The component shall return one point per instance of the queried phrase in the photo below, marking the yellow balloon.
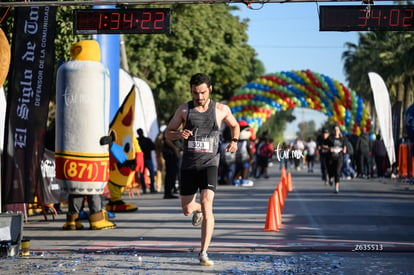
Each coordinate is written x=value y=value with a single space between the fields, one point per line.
x=342 y=111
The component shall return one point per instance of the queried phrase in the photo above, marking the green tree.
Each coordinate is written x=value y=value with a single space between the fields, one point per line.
x=204 y=38
x=64 y=33
x=275 y=126
x=360 y=59
x=389 y=54
x=306 y=129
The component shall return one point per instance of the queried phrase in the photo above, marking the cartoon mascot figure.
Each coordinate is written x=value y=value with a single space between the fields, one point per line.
x=126 y=156
x=82 y=119
x=244 y=156
x=5 y=56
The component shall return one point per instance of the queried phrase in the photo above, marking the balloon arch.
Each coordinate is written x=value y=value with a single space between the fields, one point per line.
x=269 y=94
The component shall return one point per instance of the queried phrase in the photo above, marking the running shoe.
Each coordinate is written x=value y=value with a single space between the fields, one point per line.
x=197 y=218
x=204 y=259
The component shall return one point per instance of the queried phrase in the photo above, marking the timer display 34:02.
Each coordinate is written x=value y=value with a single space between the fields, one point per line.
x=364 y=18
x=111 y=21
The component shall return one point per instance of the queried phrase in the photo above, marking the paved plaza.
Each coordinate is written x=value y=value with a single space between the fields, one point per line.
x=368 y=228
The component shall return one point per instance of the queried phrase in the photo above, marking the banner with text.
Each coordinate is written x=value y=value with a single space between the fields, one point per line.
x=30 y=83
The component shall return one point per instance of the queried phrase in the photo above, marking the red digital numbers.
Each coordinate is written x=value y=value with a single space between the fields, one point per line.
x=158 y=23
x=146 y=20
x=115 y=17
x=362 y=18
x=127 y=20
x=407 y=20
x=394 y=18
x=367 y=18
x=122 y=21
x=375 y=17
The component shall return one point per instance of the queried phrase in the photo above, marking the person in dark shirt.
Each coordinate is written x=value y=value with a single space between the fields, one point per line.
x=337 y=148
x=364 y=151
x=380 y=155
x=147 y=146
x=197 y=122
x=323 y=149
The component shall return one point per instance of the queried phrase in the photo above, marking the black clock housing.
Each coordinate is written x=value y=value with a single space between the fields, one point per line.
x=128 y=21
x=366 y=18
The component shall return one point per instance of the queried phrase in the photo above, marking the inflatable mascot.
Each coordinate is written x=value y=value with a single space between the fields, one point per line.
x=82 y=119
x=5 y=56
x=126 y=156
x=235 y=167
x=244 y=156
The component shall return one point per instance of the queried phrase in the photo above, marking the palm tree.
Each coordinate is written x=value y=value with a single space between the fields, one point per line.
x=398 y=57
x=390 y=54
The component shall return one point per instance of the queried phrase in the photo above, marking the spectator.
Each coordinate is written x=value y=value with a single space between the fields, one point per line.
x=283 y=156
x=265 y=153
x=348 y=171
x=364 y=151
x=299 y=147
x=380 y=156
x=160 y=171
x=147 y=146
x=310 y=153
x=323 y=148
x=171 y=152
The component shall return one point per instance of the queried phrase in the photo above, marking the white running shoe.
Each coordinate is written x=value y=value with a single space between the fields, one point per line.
x=197 y=218
x=204 y=259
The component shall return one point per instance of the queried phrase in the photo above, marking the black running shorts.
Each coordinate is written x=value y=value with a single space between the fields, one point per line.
x=194 y=180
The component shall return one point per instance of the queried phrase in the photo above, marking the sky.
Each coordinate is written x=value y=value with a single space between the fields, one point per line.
x=287 y=37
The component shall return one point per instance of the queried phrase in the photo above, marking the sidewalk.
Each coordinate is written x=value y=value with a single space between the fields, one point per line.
x=319 y=234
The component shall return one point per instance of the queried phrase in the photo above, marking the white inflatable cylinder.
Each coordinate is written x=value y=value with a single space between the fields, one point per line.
x=82 y=118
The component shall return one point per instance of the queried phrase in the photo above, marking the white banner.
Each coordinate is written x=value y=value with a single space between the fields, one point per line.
x=383 y=109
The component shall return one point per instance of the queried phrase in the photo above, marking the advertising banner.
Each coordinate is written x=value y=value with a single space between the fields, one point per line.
x=30 y=84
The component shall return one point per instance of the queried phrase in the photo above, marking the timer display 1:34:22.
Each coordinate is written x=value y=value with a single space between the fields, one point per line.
x=129 y=21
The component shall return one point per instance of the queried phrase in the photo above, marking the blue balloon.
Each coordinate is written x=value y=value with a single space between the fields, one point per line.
x=331 y=86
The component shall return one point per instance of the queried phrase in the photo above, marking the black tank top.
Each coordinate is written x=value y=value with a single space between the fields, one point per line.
x=201 y=150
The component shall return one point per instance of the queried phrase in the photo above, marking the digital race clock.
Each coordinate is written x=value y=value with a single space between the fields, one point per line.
x=111 y=21
x=364 y=18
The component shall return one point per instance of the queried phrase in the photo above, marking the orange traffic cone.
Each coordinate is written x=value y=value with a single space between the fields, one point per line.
x=289 y=182
x=285 y=189
x=280 y=196
x=271 y=224
x=278 y=210
x=273 y=215
x=283 y=175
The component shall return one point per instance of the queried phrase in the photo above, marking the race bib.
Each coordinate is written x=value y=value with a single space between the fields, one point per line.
x=201 y=144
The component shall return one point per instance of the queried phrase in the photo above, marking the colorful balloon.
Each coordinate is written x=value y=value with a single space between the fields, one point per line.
x=259 y=100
